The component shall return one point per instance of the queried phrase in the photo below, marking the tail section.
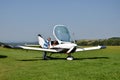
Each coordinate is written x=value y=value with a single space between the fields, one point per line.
x=41 y=40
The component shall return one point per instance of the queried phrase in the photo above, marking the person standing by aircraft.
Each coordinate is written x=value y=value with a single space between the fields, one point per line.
x=46 y=45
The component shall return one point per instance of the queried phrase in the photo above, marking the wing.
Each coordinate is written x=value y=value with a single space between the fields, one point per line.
x=38 y=49
x=32 y=45
x=90 y=48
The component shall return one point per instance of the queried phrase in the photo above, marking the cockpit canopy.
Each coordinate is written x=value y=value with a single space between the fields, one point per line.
x=61 y=33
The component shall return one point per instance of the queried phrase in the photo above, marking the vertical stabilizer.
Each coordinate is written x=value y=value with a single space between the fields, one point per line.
x=41 y=40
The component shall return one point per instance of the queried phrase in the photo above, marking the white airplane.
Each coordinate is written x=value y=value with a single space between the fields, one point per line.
x=64 y=45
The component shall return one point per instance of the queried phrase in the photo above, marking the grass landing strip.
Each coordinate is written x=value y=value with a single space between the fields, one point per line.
x=102 y=64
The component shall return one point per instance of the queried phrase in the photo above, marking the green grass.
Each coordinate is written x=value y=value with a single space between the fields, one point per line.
x=90 y=65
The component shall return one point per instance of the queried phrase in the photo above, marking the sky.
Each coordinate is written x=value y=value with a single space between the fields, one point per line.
x=22 y=20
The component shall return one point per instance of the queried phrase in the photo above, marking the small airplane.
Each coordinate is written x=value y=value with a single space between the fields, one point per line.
x=64 y=45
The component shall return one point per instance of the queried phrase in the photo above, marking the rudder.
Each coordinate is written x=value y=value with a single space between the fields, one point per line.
x=41 y=40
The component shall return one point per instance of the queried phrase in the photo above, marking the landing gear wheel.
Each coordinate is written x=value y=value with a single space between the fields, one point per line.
x=70 y=58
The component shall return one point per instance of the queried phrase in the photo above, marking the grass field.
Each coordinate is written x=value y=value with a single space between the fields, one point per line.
x=90 y=65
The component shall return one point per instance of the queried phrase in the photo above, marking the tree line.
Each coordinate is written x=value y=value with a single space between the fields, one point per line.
x=114 y=41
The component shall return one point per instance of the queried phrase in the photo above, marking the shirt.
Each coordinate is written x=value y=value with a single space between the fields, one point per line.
x=46 y=44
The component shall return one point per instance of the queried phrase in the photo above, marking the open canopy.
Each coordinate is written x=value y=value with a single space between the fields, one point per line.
x=61 y=33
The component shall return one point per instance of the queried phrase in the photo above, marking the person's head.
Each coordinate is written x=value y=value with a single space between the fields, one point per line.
x=55 y=42
x=49 y=39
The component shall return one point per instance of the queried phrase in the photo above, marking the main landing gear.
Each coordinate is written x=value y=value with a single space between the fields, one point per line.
x=45 y=57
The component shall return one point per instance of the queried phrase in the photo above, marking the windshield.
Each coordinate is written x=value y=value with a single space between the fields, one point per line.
x=62 y=33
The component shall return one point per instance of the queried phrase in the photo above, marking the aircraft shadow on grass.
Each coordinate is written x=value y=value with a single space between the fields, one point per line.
x=90 y=58
x=28 y=60
x=53 y=58
x=3 y=56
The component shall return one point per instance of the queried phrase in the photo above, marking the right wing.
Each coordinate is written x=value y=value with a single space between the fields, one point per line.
x=32 y=45
x=38 y=49
x=33 y=48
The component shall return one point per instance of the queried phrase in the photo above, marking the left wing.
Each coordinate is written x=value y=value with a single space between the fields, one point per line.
x=90 y=48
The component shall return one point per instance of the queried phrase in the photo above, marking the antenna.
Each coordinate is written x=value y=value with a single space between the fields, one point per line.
x=73 y=34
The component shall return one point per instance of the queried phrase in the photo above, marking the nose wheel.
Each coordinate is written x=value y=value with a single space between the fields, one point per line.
x=69 y=57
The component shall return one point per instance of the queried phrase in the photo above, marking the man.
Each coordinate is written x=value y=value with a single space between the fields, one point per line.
x=46 y=45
